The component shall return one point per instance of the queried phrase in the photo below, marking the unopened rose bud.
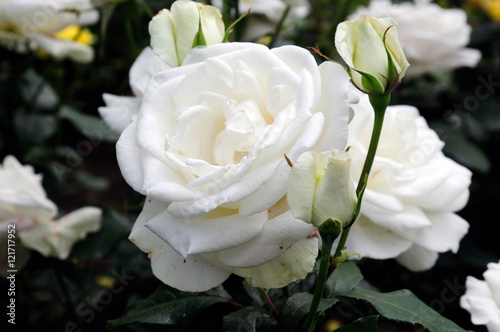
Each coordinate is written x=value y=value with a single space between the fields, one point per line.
x=370 y=47
x=320 y=187
x=186 y=25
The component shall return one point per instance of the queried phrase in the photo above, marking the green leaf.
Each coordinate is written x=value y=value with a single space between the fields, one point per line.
x=34 y=128
x=199 y=39
x=162 y=294
x=248 y=319
x=166 y=308
x=343 y=279
x=93 y=127
x=297 y=306
x=218 y=291
x=364 y=324
x=114 y=228
x=404 y=306
x=370 y=83
x=37 y=92
x=254 y=294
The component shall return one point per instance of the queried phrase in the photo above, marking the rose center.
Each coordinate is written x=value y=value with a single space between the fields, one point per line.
x=219 y=135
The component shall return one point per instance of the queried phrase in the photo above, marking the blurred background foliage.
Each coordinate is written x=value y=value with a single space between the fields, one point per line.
x=49 y=119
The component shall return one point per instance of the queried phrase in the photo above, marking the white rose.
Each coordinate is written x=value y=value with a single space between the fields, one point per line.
x=207 y=149
x=413 y=190
x=26 y=210
x=32 y=24
x=482 y=298
x=432 y=38
x=266 y=14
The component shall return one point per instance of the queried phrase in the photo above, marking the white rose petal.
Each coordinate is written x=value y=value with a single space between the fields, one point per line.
x=194 y=272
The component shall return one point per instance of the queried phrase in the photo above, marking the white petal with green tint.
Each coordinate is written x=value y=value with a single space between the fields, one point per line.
x=294 y=264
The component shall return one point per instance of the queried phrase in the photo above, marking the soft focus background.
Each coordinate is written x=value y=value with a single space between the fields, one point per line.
x=49 y=119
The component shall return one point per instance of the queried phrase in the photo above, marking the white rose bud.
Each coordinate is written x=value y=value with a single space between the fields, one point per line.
x=320 y=186
x=370 y=47
x=187 y=24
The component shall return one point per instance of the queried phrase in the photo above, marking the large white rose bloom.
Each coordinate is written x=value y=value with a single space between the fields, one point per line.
x=266 y=14
x=25 y=208
x=413 y=190
x=33 y=25
x=207 y=149
x=432 y=38
x=482 y=298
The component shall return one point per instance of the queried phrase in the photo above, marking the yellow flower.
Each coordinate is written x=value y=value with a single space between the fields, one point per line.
x=73 y=33
x=76 y=33
x=492 y=7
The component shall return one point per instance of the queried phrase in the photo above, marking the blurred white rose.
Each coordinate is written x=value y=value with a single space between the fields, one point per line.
x=266 y=14
x=25 y=208
x=57 y=237
x=413 y=190
x=482 y=298
x=40 y=24
x=207 y=149
x=432 y=38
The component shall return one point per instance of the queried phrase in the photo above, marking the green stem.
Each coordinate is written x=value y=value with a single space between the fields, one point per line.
x=130 y=35
x=379 y=104
x=326 y=250
x=268 y=300
x=329 y=231
x=342 y=241
x=226 y=13
x=279 y=27
x=286 y=291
